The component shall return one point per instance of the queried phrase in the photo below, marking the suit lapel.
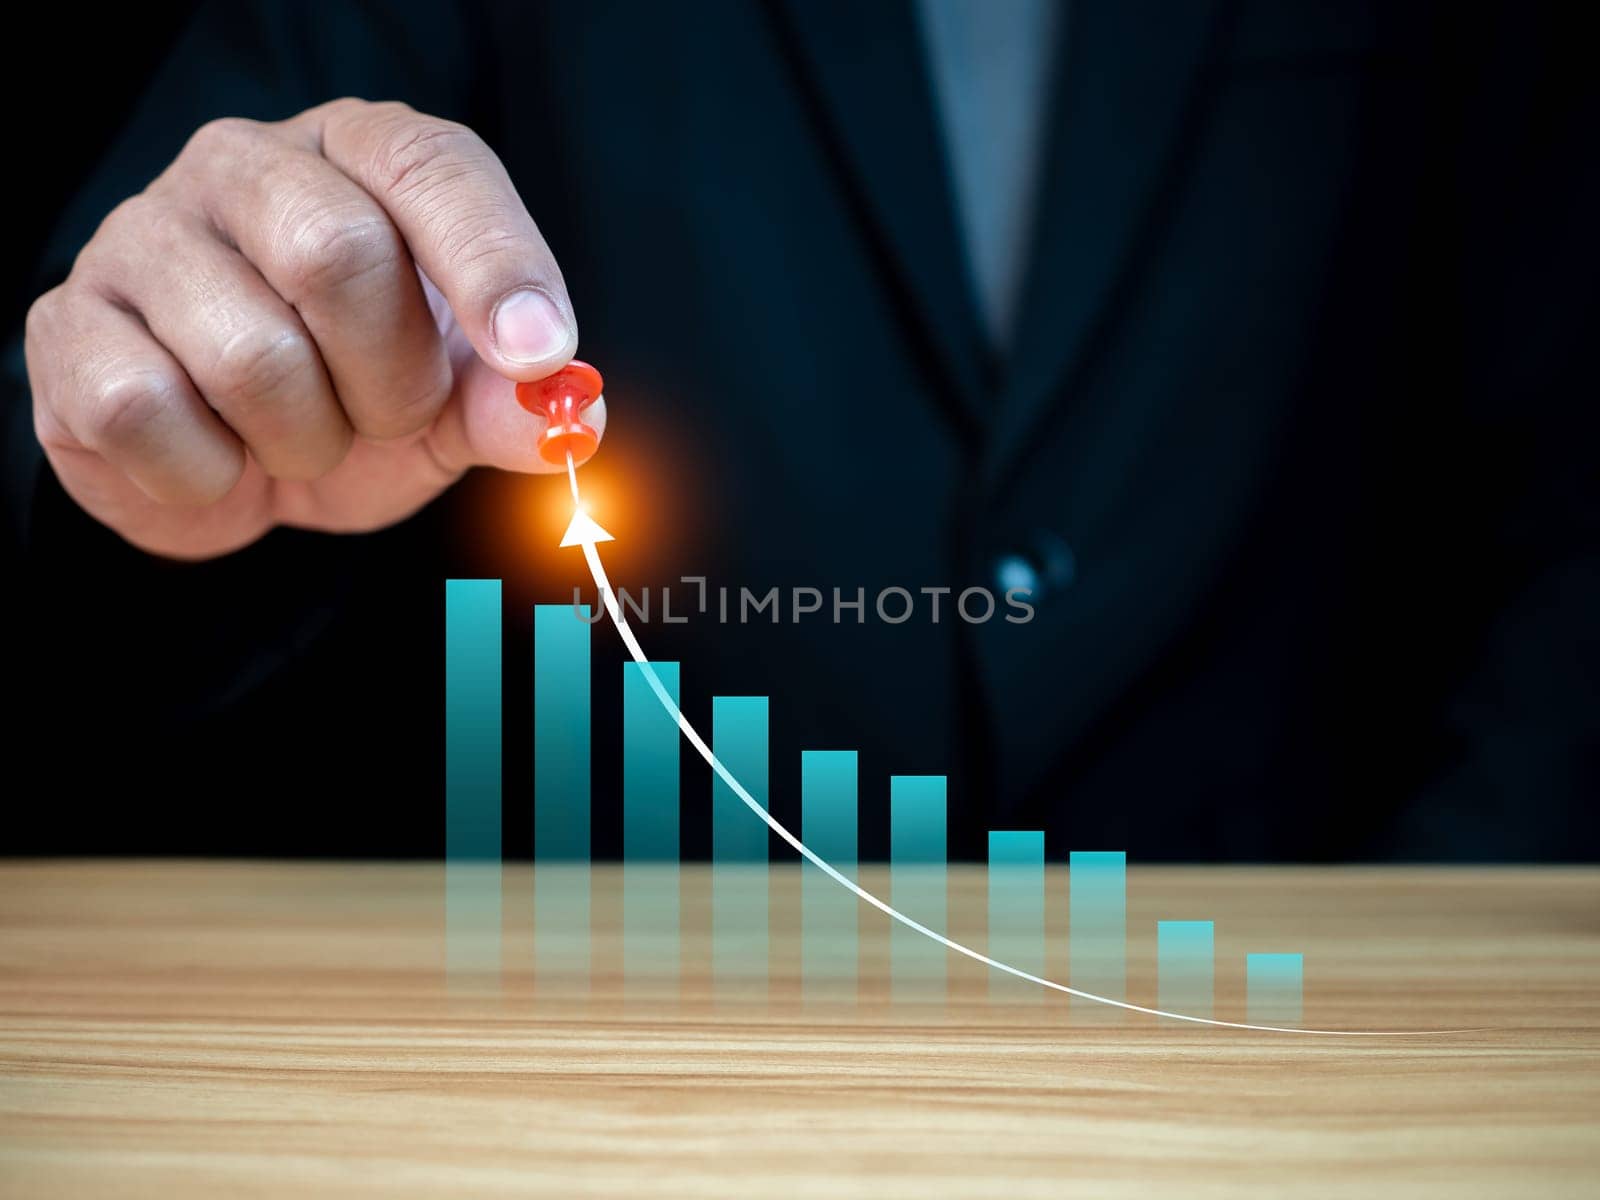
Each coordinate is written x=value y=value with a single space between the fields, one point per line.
x=1131 y=71
x=860 y=67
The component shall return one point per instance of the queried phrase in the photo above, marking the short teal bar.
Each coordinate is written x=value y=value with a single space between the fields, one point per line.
x=739 y=846
x=561 y=637
x=472 y=774
x=650 y=823
x=1016 y=911
x=917 y=883
x=1097 y=929
x=828 y=914
x=1185 y=967
x=1274 y=988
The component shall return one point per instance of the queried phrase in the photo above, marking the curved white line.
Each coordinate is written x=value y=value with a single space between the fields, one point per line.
x=592 y=557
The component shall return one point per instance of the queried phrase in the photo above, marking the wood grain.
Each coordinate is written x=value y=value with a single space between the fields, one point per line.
x=212 y=1029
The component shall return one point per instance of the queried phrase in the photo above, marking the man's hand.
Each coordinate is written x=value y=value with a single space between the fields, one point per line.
x=250 y=343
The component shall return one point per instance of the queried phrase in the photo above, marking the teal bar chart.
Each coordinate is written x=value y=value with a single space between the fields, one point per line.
x=918 y=884
x=739 y=877
x=1274 y=986
x=650 y=827
x=561 y=756
x=828 y=913
x=1016 y=911
x=472 y=775
x=1097 y=933
x=1185 y=967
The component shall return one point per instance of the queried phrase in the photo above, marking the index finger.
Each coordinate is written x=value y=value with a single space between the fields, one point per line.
x=455 y=206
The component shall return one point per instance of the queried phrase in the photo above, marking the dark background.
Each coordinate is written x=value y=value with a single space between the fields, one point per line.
x=326 y=740
x=94 y=76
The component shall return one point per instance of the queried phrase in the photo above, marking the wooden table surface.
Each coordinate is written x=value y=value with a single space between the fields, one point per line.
x=219 y=1029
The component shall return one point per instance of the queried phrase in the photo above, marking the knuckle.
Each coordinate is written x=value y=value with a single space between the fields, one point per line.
x=257 y=363
x=341 y=108
x=482 y=238
x=390 y=110
x=39 y=324
x=220 y=136
x=128 y=219
x=332 y=252
x=136 y=227
x=421 y=153
x=124 y=408
x=353 y=108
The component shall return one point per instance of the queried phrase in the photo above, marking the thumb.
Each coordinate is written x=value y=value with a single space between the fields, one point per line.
x=466 y=227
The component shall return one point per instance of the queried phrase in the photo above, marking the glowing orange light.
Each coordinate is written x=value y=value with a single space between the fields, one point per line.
x=641 y=485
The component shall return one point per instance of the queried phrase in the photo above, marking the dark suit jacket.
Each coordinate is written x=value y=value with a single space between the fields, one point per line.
x=1298 y=431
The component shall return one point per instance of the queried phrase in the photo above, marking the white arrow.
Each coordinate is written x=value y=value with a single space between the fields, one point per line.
x=586 y=532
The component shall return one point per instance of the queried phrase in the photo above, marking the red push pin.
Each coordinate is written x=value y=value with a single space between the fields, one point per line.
x=561 y=400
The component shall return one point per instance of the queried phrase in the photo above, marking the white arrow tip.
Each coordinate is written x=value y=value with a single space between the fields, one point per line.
x=584 y=531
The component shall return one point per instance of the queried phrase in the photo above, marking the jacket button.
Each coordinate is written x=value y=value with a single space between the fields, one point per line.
x=1046 y=565
x=1016 y=572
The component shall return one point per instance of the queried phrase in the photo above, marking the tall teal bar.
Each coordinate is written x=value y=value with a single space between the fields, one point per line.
x=1274 y=988
x=649 y=766
x=917 y=871
x=472 y=774
x=650 y=907
x=1016 y=911
x=1097 y=930
x=828 y=915
x=1185 y=967
x=561 y=636
x=739 y=847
